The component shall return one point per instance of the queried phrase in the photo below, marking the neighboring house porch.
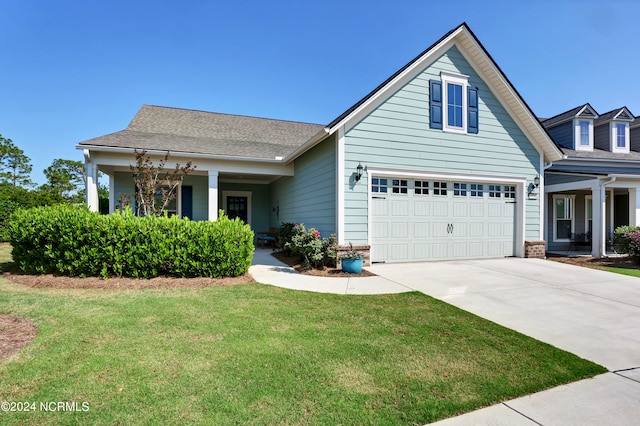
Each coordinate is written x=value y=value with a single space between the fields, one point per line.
x=583 y=210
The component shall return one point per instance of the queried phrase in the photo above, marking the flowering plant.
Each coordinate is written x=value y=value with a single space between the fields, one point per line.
x=351 y=254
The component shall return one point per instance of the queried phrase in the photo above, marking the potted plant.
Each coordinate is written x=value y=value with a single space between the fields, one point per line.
x=351 y=261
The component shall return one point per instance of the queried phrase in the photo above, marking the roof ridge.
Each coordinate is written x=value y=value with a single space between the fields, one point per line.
x=231 y=115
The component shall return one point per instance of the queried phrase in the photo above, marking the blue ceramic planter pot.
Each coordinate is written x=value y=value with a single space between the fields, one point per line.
x=352 y=266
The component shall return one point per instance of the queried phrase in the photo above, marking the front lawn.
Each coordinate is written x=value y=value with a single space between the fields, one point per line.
x=255 y=354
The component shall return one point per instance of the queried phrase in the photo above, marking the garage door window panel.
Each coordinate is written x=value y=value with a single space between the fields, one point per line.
x=421 y=187
x=379 y=185
x=440 y=188
x=477 y=190
x=459 y=189
x=399 y=186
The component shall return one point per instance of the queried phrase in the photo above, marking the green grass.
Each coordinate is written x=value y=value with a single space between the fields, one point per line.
x=255 y=354
x=623 y=271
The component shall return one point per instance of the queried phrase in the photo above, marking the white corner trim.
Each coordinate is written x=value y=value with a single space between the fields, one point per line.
x=341 y=185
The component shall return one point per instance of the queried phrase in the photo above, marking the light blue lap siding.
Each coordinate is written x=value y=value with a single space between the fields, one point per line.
x=260 y=202
x=124 y=185
x=310 y=195
x=397 y=135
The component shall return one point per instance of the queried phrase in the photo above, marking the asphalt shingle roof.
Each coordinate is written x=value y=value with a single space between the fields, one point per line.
x=557 y=119
x=208 y=133
x=601 y=154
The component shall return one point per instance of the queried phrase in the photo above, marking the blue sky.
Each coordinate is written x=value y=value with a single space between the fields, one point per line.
x=74 y=70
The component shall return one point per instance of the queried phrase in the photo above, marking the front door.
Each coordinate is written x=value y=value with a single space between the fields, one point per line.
x=237 y=207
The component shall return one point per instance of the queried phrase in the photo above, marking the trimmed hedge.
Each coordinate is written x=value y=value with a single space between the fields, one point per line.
x=70 y=240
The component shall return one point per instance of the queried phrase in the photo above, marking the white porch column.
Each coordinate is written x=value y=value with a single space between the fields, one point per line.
x=91 y=168
x=634 y=206
x=598 y=239
x=112 y=193
x=213 y=195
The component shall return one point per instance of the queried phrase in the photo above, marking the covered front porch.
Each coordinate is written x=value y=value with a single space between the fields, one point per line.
x=584 y=209
x=239 y=189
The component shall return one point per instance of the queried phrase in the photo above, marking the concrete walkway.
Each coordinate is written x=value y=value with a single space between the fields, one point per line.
x=593 y=314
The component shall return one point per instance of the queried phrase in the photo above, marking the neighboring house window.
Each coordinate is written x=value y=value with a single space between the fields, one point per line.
x=459 y=189
x=495 y=191
x=620 y=135
x=378 y=185
x=453 y=104
x=439 y=188
x=399 y=186
x=588 y=214
x=477 y=190
x=563 y=225
x=584 y=133
x=421 y=187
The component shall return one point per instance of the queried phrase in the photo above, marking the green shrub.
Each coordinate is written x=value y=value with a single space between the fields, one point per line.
x=621 y=237
x=634 y=244
x=285 y=233
x=72 y=241
x=307 y=244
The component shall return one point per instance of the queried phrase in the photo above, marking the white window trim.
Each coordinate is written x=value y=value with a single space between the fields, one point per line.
x=572 y=197
x=614 y=137
x=576 y=125
x=247 y=194
x=459 y=79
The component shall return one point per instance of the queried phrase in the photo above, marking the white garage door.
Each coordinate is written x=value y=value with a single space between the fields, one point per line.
x=416 y=220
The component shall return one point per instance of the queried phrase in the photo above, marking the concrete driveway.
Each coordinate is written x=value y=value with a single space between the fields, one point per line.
x=591 y=313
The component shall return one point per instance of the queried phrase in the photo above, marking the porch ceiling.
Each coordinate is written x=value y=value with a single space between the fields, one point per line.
x=228 y=177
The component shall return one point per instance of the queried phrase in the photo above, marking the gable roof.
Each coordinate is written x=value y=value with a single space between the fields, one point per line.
x=585 y=110
x=474 y=52
x=189 y=131
x=622 y=114
x=251 y=138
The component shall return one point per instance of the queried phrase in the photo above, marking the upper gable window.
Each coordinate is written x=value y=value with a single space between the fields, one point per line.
x=583 y=135
x=619 y=137
x=453 y=104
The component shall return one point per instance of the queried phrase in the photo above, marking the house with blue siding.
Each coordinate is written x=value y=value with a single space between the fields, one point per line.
x=443 y=160
x=595 y=188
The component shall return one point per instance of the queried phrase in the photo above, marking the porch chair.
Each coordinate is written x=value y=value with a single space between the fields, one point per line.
x=266 y=237
x=579 y=240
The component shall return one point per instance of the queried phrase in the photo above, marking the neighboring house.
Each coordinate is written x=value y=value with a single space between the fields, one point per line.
x=596 y=188
x=441 y=161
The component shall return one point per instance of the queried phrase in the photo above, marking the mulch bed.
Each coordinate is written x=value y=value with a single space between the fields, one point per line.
x=327 y=271
x=613 y=262
x=15 y=334
x=54 y=281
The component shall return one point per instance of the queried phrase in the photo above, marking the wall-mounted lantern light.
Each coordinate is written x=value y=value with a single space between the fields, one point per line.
x=533 y=186
x=359 y=170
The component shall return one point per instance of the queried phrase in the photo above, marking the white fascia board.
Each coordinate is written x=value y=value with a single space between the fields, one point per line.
x=123 y=159
x=509 y=98
x=623 y=110
x=592 y=113
x=595 y=162
x=391 y=87
x=97 y=148
x=316 y=139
